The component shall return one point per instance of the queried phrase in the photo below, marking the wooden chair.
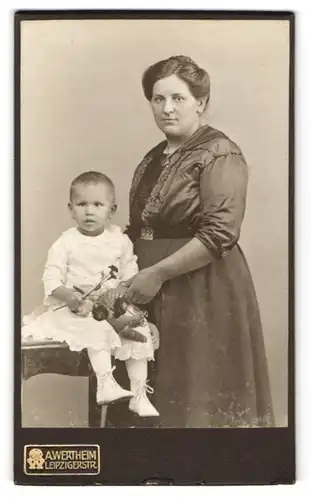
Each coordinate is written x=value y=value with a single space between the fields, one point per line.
x=54 y=357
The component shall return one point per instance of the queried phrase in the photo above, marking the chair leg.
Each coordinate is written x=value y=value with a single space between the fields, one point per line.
x=103 y=415
x=97 y=414
x=94 y=409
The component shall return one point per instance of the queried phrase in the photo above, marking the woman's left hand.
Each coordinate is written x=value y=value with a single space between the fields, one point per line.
x=144 y=286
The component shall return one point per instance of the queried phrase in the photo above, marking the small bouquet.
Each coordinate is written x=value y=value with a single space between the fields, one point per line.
x=105 y=307
x=111 y=275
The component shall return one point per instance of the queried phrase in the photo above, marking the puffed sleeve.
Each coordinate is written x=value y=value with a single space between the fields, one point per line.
x=55 y=269
x=223 y=187
x=128 y=260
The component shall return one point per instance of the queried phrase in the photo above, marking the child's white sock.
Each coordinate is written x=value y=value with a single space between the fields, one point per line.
x=108 y=390
x=137 y=370
x=100 y=360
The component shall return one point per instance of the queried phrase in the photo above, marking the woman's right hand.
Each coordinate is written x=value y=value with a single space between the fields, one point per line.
x=123 y=286
x=113 y=294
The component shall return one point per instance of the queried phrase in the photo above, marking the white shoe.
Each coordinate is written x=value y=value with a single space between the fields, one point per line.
x=140 y=403
x=108 y=389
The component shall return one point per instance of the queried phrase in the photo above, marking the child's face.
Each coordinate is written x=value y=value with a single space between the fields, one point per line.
x=92 y=206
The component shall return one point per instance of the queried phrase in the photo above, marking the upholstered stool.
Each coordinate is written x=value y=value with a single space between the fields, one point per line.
x=53 y=357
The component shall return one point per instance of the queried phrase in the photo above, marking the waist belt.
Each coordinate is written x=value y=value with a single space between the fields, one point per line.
x=149 y=233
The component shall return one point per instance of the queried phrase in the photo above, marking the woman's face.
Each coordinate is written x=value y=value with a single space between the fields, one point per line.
x=176 y=111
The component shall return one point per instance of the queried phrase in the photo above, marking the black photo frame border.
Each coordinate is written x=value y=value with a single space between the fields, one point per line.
x=162 y=456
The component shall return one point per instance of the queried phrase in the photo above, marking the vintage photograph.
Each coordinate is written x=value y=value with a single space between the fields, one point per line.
x=154 y=179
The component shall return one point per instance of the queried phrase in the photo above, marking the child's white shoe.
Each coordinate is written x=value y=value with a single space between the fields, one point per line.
x=140 y=403
x=108 y=389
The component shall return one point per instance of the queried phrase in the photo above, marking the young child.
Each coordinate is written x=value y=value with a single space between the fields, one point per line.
x=78 y=260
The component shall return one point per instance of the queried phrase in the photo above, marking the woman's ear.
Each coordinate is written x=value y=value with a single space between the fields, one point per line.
x=201 y=103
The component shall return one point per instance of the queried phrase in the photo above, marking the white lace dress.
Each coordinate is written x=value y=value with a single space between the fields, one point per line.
x=79 y=260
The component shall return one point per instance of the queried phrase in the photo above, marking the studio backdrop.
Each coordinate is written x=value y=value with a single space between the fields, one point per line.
x=83 y=108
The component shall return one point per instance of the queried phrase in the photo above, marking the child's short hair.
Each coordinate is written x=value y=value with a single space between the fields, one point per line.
x=92 y=177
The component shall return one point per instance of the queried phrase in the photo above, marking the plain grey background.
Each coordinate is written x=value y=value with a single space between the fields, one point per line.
x=83 y=108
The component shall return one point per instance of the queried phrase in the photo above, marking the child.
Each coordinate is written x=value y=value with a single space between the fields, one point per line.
x=77 y=261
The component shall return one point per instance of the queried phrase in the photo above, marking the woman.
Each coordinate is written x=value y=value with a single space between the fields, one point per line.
x=187 y=204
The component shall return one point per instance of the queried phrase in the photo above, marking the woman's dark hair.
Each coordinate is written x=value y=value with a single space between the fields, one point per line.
x=185 y=68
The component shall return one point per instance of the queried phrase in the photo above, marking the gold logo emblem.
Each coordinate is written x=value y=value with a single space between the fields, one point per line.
x=44 y=460
x=35 y=459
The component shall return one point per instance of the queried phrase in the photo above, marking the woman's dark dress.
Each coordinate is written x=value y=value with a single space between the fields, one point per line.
x=211 y=368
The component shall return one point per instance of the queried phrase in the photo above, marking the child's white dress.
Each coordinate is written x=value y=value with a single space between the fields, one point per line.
x=79 y=260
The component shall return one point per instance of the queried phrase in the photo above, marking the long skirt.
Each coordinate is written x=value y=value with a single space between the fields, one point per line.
x=211 y=368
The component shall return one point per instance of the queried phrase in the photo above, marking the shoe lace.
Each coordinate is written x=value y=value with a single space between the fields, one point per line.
x=144 y=388
x=108 y=375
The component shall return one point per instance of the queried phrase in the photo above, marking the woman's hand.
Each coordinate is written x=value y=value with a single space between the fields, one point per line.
x=144 y=286
x=122 y=287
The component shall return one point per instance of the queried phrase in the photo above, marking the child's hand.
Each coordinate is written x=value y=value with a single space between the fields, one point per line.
x=85 y=308
x=73 y=299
